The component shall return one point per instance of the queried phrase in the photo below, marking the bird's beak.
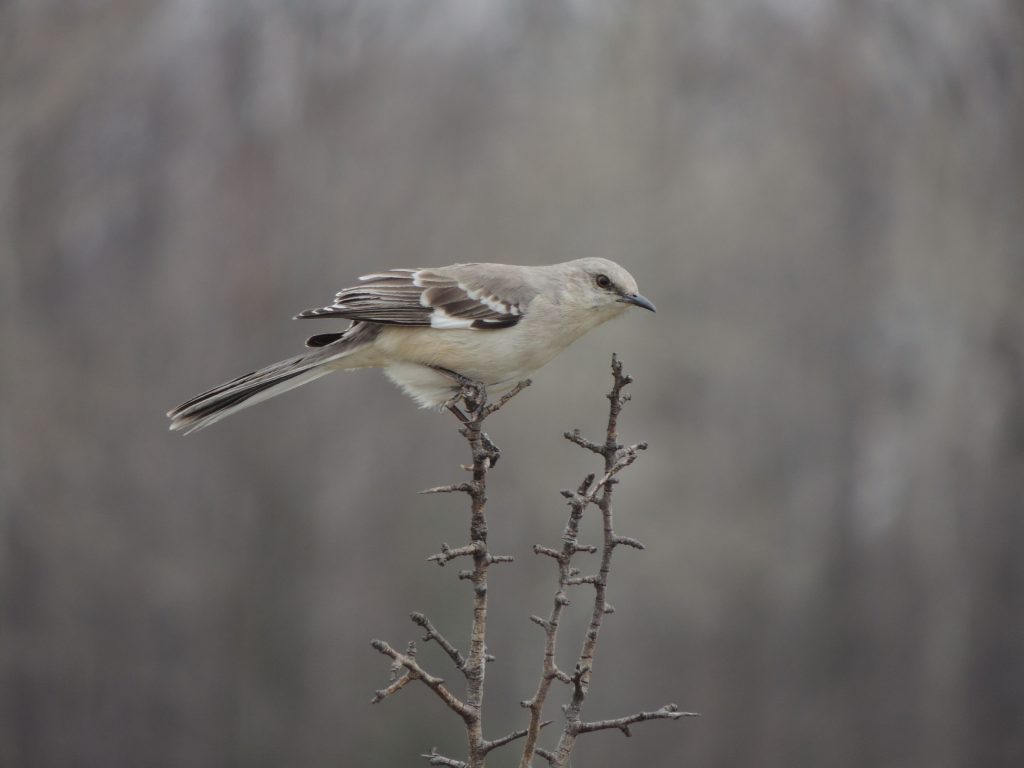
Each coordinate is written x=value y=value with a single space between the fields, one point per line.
x=640 y=301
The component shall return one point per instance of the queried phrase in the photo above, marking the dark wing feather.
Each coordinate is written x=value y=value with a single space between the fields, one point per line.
x=424 y=297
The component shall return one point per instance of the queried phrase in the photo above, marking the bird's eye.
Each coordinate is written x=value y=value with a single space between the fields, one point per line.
x=603 y=281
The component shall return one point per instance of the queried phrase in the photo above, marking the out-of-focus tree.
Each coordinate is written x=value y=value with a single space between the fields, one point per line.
x=824 y=198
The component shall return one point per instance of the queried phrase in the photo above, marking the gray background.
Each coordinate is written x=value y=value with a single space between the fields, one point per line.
x=825 y=198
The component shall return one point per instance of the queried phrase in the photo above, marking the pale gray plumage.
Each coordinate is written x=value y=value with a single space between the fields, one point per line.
x=493 y=323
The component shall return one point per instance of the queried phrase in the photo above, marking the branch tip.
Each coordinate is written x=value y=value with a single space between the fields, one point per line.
x=628 y=541
x=668 y=712
x=435 y=758
x=503 y=400
x=547 y=551
x=453 y=488
x=577 y=437
x=432 y=634
x=450 y=553
x=576 y=581
x=542 y=623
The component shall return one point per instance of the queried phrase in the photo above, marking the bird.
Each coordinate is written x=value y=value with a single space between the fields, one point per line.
x=432 y=329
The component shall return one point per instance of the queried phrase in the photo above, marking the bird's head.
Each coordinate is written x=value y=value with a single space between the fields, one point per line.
x=606 y=287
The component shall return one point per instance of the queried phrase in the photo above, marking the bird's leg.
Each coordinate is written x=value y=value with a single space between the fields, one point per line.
x=472 y=393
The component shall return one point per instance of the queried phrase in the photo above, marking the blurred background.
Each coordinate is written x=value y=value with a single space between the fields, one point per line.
x=825 y=198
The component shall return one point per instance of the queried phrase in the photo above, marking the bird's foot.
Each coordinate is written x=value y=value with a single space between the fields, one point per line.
x=472 y=393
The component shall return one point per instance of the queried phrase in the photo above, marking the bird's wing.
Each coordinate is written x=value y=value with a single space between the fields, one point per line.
x=473 y=296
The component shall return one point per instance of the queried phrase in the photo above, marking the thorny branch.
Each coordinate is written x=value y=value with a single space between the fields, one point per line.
x=485 y=454
x=669 y=712
x=594 y=490
x=616 y=458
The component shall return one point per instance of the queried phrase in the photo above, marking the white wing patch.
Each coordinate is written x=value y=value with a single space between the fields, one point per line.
x=441 y=319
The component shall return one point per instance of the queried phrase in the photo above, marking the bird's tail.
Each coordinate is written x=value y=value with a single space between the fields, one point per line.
x=212 y=406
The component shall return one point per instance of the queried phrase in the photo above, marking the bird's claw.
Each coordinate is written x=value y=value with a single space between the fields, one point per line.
x=472 y=393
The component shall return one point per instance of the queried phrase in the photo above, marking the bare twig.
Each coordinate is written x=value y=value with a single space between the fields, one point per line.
x=416 y=672
x=489 y=409
x=453 y=488
x=471 y=409
x=485 y=453
x=396 y=686
x=435 y=758
x=616 y=458
x=449 y=553
x=549 y=756
x=668 y=712
x=488 y=746
x=437 y=637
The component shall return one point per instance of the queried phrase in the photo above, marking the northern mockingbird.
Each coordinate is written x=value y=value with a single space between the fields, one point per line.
x=491 y=323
